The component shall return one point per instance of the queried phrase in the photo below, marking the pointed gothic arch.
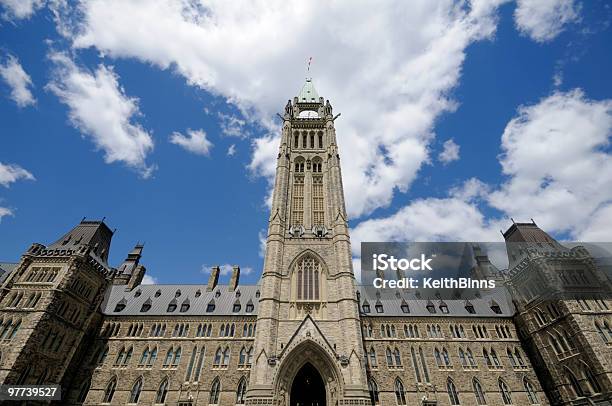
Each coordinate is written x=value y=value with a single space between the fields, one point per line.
x=309 y=275
x=308 y=351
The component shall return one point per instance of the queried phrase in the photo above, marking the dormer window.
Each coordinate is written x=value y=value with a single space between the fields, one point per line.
x=496 y=309
x=405 y=307
x=198 y=293
x=444 y=308
x=158 y=293
x=250 y=307
x=120 y=306
x=171 y=306
x=431 y=308
x=379 y=307
x=236 y=307
x=217 y=293
x=177 y=293
x=470 y=308
x=146 y=306
x=184 y=306
x=366 y=308
x=210 y=307
x=137 y=293
x=257 y=294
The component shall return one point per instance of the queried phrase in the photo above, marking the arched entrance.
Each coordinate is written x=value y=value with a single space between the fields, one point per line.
x=308 y=388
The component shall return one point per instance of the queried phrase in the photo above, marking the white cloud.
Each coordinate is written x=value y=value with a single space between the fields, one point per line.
x=231 y=151
x=195 y=141
x=450 y=152
x=18 y=80
x=4 y=211
x=10 y=173
x=100 y=109
x=226 y=269
x=401 y=70
x=232 y=126
x=543 y=20
x=149 y=280
x=556 y=154
x=18 y=9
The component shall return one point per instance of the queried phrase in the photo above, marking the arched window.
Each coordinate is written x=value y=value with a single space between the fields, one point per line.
x=511 y=358
x=424 y=365
x=135 y=392
x=226 y=356
x=519 y=358
x=478 y=392
x=152 y=357
x=495 y=359
x=485 y=354
x=84 y=391
x=162 y=391
x=471 y=358
x=446 y=357
x=373 y=392
x=555 y=344
x=453 y=395
x=308 y=271
x=217 y=359
x=438 y=357
x=110 y=390
x=415 y=364
x=398 y=358
x=462 y=358
x=389 y=357
x=297 y=204
x=592 y=380
x=531 y=393
x=241 y=391
x=144 y=357
x=177 y=357
x=574 y=383
x=400 y=396
x=373 y=361
x=215 y=389
x=505 y=392
x=243 y=357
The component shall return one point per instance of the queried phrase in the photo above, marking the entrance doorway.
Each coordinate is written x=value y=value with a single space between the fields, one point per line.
x=308 y=388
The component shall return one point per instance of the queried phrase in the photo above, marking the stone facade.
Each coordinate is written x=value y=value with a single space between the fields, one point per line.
x=69 y=318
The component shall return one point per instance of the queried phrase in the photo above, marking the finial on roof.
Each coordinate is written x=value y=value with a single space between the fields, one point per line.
x=534 y=223
x=83 y=219
x=103 y=218
x=512 y=220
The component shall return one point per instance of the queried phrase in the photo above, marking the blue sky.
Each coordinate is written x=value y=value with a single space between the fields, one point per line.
x=161 y=117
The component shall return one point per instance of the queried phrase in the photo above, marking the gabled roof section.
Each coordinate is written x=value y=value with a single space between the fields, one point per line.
x=308 y=94
x=196 y=296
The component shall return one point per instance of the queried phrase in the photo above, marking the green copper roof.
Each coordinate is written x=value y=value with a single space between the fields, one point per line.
x=308 y=94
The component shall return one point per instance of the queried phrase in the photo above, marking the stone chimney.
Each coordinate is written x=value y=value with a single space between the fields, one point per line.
x=233 y=283
x=136 y=278
x=214 y=278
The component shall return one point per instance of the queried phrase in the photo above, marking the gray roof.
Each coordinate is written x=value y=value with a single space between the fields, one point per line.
x=160 y=296
x=6 y=268
x=308 y=94
x=392 y=302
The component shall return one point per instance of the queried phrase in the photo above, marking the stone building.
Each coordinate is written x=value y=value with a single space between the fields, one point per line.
x=306 y=334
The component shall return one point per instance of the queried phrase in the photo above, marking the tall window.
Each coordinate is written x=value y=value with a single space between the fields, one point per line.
x=135 y=392
x=400 y=397
x=505 y=392
x=478 y=392
x=531 y=393
x=415 y=364
x=162 y=391
x=453 y=395
x=317 y=197
x=110 y=390
x=592 y=380
x=373 y=392
x=241 y=392
x=214 y=392
x=308 y=278
x=84 y=391
x=298 y=200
